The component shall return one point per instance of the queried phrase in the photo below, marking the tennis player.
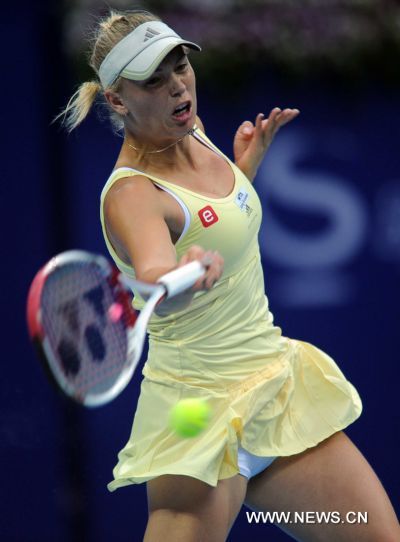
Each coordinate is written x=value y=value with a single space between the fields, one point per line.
x=275 y=441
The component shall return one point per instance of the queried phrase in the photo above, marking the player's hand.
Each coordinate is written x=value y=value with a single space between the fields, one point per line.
x=212 y=261
x=251 y=142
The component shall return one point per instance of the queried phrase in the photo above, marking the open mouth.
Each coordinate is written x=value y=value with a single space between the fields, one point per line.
x=182 y=110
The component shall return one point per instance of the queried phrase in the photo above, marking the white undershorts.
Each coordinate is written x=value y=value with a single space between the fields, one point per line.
x=250 y=465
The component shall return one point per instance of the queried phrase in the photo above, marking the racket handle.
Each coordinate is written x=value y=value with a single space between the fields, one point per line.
x=179 y=280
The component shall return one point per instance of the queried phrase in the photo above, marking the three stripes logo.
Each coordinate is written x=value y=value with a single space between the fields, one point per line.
x=150 y=33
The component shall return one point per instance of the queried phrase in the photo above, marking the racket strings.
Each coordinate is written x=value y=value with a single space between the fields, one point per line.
x=88 y=348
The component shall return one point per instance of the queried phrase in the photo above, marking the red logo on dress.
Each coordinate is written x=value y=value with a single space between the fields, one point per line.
x=208 y=216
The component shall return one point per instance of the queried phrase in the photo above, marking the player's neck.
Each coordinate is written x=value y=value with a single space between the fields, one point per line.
x=176 y=157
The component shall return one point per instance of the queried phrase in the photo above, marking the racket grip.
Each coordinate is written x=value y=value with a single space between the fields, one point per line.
x=179 y=280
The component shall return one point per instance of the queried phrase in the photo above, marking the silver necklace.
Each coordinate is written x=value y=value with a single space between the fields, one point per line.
x=190 y=132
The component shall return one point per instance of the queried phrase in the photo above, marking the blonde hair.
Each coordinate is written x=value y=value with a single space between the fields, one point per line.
x=110 y=30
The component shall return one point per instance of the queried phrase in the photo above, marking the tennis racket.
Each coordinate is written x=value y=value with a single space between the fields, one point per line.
x=82 y=323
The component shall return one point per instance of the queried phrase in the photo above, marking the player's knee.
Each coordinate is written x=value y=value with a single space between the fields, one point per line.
x=169 y=525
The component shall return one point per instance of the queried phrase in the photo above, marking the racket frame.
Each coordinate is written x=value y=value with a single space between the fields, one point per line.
x=168 y=285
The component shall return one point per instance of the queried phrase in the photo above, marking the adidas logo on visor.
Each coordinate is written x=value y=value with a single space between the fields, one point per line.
x=150 y=33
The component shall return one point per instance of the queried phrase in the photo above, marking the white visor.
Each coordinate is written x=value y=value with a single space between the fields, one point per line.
x=138 y=55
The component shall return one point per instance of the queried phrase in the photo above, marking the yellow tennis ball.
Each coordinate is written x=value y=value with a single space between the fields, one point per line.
x=189 y=417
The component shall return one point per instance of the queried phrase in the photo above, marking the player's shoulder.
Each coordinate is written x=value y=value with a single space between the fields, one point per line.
x=131 y=190
x=133 y=182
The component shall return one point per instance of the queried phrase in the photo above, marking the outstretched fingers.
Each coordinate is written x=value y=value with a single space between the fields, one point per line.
x=276 y=119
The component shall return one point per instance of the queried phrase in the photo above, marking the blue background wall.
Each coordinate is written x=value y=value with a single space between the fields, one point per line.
x=330 y=239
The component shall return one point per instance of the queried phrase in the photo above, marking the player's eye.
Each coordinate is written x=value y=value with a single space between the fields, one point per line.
x=153 y=81
x=182 y=67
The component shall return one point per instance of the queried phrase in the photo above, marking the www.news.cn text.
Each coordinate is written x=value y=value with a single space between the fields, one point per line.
x=308 y=517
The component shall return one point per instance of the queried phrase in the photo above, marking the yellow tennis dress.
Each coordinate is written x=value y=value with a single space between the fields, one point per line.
x=269 y=394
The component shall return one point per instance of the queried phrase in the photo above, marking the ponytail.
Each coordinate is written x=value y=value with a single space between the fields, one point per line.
x=79 y=105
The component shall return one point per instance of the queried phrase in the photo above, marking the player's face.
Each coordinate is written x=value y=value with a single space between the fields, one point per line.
x=152 y=103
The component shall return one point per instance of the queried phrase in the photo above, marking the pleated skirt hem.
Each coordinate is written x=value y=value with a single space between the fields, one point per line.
x=305 y=400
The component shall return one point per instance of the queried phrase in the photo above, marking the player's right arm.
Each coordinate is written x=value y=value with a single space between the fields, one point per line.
x=135 y=216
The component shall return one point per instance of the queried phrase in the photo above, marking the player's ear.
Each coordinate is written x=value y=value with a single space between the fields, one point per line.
x=116 y=102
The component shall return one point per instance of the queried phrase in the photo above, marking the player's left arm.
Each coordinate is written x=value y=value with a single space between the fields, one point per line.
x=251 y=142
